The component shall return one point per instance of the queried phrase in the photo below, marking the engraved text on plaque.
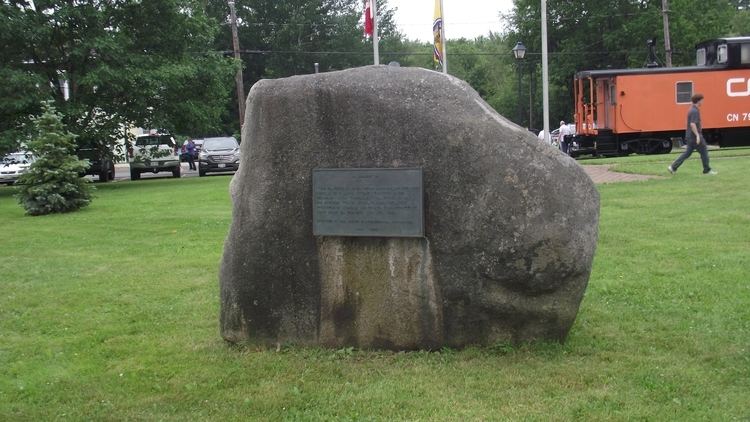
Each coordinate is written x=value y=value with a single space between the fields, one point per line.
x=368 y=202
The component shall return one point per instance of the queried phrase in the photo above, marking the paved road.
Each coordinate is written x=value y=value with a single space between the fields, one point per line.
x=122 y=172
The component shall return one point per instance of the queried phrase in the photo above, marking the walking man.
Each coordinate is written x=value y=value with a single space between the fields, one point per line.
x=694 y=138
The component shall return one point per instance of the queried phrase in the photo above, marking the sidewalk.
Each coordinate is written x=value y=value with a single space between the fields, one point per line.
x=602 y=174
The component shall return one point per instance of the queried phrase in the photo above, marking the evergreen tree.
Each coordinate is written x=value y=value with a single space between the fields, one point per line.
x=52 y=184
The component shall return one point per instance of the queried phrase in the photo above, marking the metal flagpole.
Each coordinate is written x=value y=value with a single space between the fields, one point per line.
x=442 y=37
x=375 y=37
x=545 y=73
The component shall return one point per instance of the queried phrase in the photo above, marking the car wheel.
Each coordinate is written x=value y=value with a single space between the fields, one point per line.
x=201 y=173
x=134 y=175
x=176 y=172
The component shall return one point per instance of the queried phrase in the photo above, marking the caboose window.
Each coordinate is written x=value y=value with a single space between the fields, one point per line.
x=745 y=54
x=684 y=92
x=700 y=57
x=721 y=54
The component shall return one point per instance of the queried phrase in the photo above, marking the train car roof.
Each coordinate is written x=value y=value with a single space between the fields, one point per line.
x=660 y=70
x=728 y=40
x=644 y=71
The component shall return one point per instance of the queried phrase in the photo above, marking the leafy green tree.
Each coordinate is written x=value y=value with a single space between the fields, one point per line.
x=285 y=38
x=52 y=184
x=111 y=65
x=486 y=64
x=739 y=24
x=591 y=34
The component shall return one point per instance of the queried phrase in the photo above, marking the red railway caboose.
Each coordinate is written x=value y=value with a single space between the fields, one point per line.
x=625 y=111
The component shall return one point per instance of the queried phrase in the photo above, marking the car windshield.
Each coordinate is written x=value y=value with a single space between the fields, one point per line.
x=17 y=158
x=219 y=143
x=154 y=140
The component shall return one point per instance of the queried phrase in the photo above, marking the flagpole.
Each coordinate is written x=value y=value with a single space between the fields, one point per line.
x=375 y=37
x=442 y=38
x=545 y=73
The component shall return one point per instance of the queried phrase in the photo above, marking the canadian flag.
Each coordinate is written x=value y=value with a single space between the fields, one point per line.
x=369 y=19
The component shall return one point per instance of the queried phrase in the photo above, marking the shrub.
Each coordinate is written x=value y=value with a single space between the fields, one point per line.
x=53 y=184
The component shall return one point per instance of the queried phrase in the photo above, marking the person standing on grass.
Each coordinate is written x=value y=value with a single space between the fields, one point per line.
x=564 y=137
x=693 y=138
x=190 y=147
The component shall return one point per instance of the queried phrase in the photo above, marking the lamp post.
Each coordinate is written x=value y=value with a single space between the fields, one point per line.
x=519 y=52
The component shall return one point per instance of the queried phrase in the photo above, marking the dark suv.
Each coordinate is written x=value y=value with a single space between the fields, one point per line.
x=99 y=163
x=219 y=154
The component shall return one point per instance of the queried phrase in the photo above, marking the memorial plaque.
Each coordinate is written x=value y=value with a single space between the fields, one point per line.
x=385 y=202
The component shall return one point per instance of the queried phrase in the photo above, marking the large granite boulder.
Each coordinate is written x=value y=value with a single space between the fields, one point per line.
x=510 y=223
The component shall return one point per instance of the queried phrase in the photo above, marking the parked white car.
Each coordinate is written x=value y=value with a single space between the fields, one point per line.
x=14 y=165
x=154 y=153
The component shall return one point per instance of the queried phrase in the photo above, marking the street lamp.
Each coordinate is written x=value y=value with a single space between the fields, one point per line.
x=519 y=52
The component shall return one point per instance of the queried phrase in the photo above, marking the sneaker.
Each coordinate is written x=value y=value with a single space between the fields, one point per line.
x=671 y=170
x=712 y=172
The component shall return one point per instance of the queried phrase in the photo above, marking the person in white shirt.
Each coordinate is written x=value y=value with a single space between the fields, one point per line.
x=564 y=137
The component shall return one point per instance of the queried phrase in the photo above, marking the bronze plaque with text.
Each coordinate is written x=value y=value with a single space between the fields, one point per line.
x=382 y=202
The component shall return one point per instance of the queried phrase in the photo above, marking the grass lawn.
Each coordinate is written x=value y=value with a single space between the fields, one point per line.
x=111 y=313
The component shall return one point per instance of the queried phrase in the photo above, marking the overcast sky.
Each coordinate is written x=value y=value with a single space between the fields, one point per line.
x=463 y=18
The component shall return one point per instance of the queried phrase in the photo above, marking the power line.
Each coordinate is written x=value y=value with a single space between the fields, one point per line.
x=553 y=19
x=420 y=53
x=502 y=18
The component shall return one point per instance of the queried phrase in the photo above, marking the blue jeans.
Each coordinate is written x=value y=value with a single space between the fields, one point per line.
x=691 y=146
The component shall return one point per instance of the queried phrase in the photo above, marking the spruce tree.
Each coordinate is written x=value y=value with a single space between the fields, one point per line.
x=53 y=183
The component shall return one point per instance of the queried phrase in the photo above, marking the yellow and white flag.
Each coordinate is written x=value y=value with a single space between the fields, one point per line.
x=437 y=32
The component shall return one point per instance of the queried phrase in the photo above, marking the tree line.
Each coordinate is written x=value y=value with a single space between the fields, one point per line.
x=109 y=65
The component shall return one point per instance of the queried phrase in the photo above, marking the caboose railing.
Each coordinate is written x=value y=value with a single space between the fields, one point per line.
x=585 y=114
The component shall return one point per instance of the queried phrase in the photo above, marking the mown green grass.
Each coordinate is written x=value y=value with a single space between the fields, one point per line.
x=111 y=313
x=624 y=163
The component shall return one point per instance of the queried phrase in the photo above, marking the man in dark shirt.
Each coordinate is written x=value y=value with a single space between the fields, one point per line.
x=190 y=149
x=694 y=138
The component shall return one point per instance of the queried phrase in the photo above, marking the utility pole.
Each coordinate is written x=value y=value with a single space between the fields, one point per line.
x=667 y=46
x=545 y=74
x=532 y=66
x=238 y=77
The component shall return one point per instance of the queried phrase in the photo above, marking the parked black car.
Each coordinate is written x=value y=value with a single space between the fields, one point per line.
x=101 y=164
x=219 y=154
